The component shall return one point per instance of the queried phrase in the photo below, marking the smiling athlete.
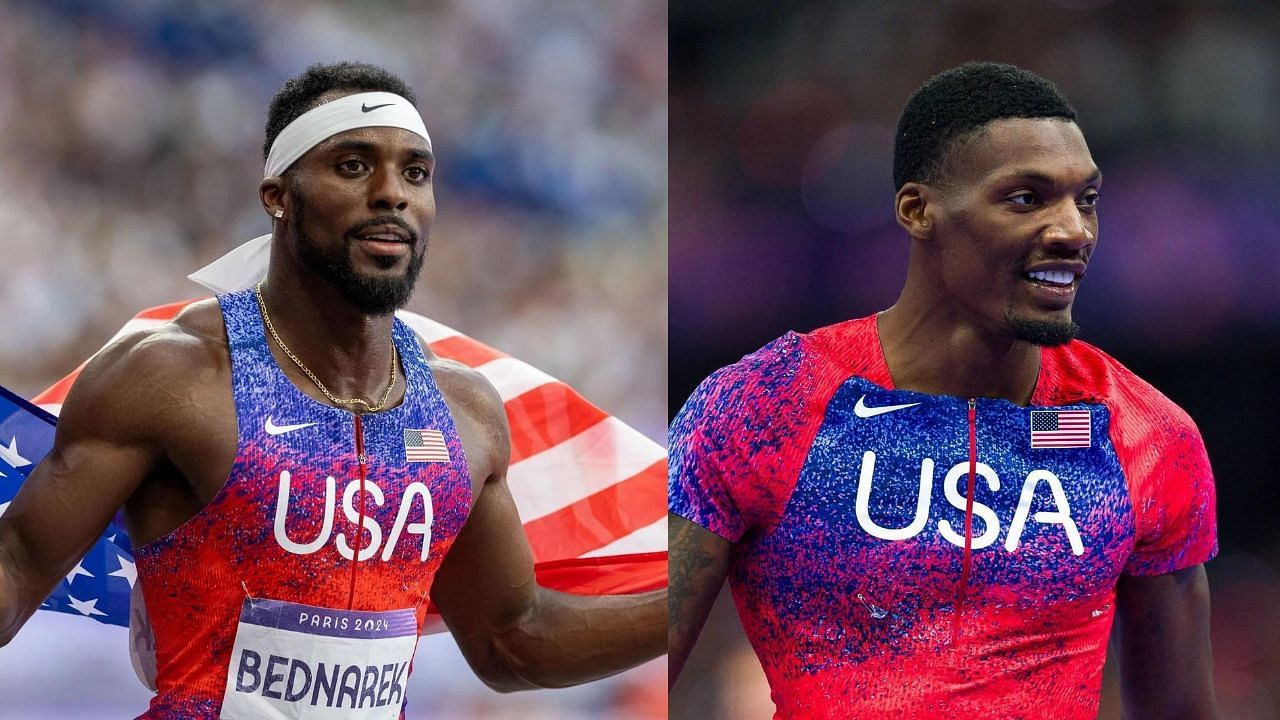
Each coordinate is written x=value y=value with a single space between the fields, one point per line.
x=297 y=470
x=939 y=510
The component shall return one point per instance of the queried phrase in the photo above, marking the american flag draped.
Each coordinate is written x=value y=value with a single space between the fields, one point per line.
x=98 y=586
x=590 y=489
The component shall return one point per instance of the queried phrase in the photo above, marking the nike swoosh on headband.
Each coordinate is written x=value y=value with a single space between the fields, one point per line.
x=346 y=113
x=862 y=411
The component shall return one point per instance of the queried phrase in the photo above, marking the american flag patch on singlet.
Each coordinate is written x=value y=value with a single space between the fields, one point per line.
x=425 y=446
x=1060 y=429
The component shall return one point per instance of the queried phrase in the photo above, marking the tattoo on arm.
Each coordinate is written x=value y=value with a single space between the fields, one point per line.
x=699 y=560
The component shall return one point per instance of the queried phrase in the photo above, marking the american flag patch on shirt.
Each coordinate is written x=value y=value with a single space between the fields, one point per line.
x=425 y=446
x=1060 y=429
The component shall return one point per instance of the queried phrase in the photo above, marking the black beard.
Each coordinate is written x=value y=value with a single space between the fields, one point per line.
x=1043 y=332
x=371 y=296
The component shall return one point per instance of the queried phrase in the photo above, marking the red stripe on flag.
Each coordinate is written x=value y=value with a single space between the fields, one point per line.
x=599 y=519
x=165 y=312
x=547 y=416
x=613 y=575
x=465 y=350
x=57 y=392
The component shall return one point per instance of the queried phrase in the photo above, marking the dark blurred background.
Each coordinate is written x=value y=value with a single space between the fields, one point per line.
x=781 y=130
x=130 y=155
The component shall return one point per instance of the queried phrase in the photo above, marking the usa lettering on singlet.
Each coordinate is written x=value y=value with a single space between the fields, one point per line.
x=847 y=501
x=299 y=591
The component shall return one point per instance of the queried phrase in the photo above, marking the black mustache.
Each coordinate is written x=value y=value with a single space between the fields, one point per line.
x=384 y=220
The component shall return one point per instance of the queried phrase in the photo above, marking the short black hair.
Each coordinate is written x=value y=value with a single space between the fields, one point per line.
x=300 y=94
x=955 y=104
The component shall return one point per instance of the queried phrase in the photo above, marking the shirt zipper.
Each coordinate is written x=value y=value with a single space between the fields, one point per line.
x=966 y=562
x=361 y=462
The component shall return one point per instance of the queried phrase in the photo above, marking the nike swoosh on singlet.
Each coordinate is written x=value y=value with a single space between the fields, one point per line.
x=862 y=411
x=273 y=429
x=366 y=108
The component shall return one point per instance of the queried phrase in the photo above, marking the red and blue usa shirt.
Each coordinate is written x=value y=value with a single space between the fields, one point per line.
x=300 y=589
x=860 y=587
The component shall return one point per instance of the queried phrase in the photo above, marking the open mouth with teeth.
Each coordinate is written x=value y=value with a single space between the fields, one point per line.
x=1053 y=278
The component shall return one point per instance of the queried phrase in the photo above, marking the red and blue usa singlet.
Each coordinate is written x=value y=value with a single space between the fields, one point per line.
x=259 y=604
x=847 y=499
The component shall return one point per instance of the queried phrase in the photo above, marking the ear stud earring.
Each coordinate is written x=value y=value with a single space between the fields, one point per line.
x=279 y=213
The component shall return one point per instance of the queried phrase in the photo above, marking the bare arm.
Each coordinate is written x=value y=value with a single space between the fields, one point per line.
x=100 y=455
x=1162 y=634
x=699 y=562
x=515 y=634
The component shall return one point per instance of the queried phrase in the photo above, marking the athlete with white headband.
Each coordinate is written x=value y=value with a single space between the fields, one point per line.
x=368 y=109
x=297 y=469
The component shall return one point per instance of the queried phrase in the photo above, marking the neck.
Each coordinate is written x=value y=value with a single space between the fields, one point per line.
x=933 y=346
x=349 y=351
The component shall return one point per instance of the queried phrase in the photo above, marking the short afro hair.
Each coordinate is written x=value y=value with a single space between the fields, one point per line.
x=955 y=104
x=300 y=94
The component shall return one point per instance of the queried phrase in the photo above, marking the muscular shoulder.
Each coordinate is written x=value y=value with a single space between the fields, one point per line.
x=467 y=388
x=796 y=368
x=143 y=374
x=193 y=341
x=1166 y=467
x=1158 y=446
x=738 y=443
x=781 y=379
x=476 y=407
x=853 y=348
x=1080 y=372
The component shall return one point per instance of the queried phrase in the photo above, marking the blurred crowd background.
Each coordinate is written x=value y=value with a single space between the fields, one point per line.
x=131 y=137
x=782 y=123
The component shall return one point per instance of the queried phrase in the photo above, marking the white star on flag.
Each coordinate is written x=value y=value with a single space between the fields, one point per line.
x=11 y=456
x=85 y=607
x=77 y=570
x=126 y=571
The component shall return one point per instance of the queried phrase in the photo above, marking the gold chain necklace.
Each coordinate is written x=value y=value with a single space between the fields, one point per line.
x=262 y=306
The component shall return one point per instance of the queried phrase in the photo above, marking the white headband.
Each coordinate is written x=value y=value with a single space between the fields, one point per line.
x=373 y=109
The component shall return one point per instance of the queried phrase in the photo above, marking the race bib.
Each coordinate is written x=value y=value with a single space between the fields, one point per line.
x=297 y=662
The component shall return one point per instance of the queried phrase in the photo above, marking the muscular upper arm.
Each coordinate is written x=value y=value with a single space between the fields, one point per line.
x=104 y=447
x=486 y=585
x=1162 y=638
x=486 y=581
x=699 y=560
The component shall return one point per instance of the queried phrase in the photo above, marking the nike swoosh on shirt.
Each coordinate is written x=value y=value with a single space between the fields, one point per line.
x=862 y=411
x=366 y=108
x=273 y=429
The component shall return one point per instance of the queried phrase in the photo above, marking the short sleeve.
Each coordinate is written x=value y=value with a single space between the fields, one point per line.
x=1172 y=491
x=736 y=447
x=703 y=466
